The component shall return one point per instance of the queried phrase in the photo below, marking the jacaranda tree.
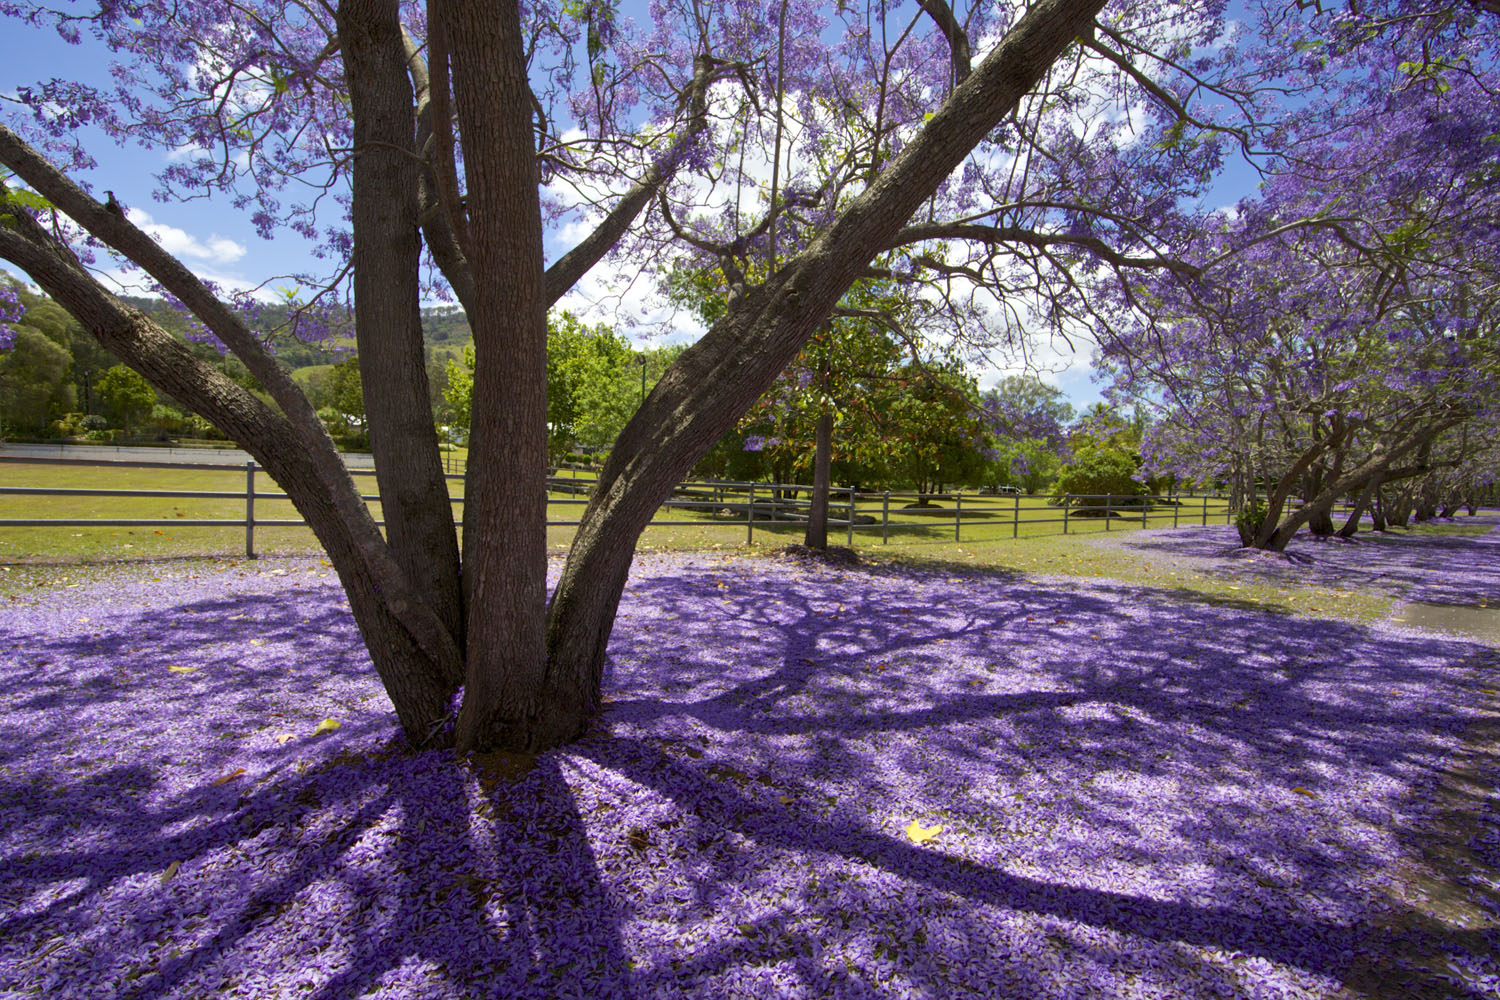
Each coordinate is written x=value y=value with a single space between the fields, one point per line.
x=1339 y=325
x=1013 y=148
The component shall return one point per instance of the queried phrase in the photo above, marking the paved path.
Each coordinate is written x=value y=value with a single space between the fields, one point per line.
x=128 y=453
x=1479 y=621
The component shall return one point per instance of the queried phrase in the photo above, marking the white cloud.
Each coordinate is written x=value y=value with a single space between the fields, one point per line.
x=216 y=250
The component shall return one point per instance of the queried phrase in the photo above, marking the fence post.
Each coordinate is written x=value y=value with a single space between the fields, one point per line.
x=250 y=509
x=1015 y=520
x=958 y=514
x=1067 y=499
x=851 y=517
x=750 y=518
x=1205 y=510
x=1176 y=509
x=1108 y=500
x=885 y=519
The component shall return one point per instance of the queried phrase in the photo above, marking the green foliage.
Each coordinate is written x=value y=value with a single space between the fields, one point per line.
x=1098 y=473
x=594 y=384
x=1251 y=519
x=458 y=394
x=1029 y=464
x=346 y=392
x=127 y=397
x=34 y=384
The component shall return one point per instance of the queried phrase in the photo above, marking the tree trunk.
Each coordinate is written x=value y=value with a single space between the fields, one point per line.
x=817 y=514
x=387 y=306
x=1351 y=526
x=506 y=704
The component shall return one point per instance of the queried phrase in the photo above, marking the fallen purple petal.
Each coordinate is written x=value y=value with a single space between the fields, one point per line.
x=1116 y=771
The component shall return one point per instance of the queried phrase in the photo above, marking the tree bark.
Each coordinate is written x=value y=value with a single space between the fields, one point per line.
x=817 y=515
x=387 y=306
x=506 y=704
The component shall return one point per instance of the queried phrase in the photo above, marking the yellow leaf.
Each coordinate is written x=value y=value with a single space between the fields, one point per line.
x=281 y=738
x=1302 y=791
x=785 y=800
x=920 y=834
x=181 y=670
x=326 y=726
x=166 y=876
x=257 y=642
x=226 y=779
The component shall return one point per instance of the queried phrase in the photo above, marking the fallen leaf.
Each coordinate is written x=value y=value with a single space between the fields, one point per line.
x=785 y=800
x=181 y=670
x=166 y=876
x=920 y=834
x=226 y=779
x=257 y=642
x=326 y=726
x=1302 y=791
x=282 y=738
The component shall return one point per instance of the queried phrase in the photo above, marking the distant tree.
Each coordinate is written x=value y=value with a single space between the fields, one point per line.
x=34 y=384
x=127 y=397
x=1105 y=457
x=346 y=392
x=1028 y=422
x=594 y=383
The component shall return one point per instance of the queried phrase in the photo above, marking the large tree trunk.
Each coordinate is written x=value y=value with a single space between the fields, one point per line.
x=387 y=306
x=817 y=515
x=505 y=703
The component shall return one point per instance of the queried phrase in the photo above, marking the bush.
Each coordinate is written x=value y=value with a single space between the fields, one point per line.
x=1101 y=473
x=1249 y=521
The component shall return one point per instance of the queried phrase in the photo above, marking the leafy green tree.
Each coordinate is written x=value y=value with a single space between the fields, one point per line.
x=1106 y=457
x=595 y=383
x=34 y=384
x=127 y=397
x=346 y=392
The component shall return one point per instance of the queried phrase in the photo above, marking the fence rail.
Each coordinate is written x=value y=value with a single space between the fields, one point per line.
x=767 y=506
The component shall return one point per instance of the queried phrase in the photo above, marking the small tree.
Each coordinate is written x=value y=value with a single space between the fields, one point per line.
x=127 y=397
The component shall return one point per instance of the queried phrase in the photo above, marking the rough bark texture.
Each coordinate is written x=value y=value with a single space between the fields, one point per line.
x=411 y=677
x=717 y=379
x=387 y=307
x=505 y=513
x=817 y=514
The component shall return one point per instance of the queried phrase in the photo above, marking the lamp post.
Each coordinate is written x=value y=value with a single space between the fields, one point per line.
x=87 y=408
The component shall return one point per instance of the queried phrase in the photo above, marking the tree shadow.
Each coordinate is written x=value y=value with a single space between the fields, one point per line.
x=143 y=857
x=1136 y=794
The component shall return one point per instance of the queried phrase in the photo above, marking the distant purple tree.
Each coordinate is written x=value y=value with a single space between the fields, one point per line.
x=1337 y=326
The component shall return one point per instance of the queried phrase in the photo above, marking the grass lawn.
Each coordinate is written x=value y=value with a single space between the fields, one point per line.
x=1129 y=765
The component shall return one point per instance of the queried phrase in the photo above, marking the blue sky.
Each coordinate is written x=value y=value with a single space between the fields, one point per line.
x=218 y=242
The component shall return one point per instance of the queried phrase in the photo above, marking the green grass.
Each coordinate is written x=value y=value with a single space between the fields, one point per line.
x=915 y=538
x=985 y=519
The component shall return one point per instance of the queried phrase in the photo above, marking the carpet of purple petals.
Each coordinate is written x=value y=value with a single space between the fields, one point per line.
x=1140 y=796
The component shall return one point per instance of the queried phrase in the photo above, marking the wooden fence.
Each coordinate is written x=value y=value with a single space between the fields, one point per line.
x=777 y=507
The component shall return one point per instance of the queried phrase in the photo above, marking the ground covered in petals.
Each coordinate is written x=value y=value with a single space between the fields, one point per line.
x=810 y=781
